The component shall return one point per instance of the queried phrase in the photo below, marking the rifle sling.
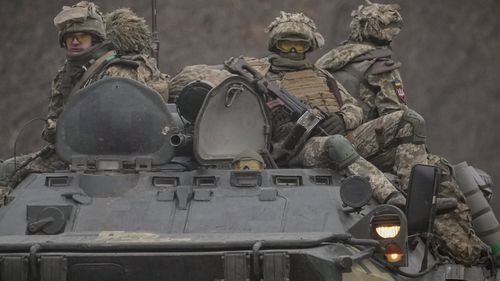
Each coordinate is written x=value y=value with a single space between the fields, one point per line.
x=99 y=63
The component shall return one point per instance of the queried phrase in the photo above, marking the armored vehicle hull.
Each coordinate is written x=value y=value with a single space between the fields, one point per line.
x=128 y=207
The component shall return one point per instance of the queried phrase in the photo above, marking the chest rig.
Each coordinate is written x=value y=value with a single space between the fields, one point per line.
x=311 y=88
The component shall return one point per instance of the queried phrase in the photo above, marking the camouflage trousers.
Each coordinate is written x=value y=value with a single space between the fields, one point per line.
x=315 y=154
x=49 y=162
x=7 y=171
x=454 y=236
x=380 y=142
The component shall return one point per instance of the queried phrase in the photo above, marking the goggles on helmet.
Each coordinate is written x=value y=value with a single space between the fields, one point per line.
x=298 y=46
x=79 y=36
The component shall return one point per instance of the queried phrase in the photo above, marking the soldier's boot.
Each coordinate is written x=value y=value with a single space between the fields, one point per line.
x=345 y=158
x=397 y=199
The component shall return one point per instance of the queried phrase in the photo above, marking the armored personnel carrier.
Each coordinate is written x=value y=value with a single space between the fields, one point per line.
x=147 y=197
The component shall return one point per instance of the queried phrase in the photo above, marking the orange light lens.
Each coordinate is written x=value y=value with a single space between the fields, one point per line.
x=393 y=253
x=80 y=37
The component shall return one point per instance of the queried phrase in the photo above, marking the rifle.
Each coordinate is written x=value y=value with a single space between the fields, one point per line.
x=306 y=119
x=156 y=40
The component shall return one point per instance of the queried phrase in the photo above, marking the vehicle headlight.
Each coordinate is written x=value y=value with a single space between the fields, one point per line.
x=386 y=226
x=387 y=231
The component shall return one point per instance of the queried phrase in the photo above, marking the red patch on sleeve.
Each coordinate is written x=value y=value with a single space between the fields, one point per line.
x=398 y=88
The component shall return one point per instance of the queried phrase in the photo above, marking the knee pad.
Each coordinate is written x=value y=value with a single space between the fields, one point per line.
x=417 y=123
x=341 y=152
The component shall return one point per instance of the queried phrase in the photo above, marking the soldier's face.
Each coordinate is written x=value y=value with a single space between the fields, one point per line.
x=78 y=42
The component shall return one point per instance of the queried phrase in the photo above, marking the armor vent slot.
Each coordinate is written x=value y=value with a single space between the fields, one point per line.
x=165 y=181
x=205 y=181
x=288 y=180
x=57 y=181
x=322 y=180
x=246 y=179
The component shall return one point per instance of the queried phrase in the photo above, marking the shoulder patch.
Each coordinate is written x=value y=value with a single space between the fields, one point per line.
x=398 y=89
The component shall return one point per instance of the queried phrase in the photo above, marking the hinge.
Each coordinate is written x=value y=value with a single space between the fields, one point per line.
x=143 y=164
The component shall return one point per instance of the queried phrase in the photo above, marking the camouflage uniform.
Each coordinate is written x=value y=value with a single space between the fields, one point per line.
x=123 y=54
x=132 y=39
x=7 y=170
x=318 y=90
x=364 y=65
x=124 y=45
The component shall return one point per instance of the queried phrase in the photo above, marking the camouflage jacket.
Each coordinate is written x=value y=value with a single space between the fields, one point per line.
x=137 y=67
x=369 y=74
x=312 y=86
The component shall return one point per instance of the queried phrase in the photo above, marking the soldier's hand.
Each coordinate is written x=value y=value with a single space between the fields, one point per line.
x=334 y=125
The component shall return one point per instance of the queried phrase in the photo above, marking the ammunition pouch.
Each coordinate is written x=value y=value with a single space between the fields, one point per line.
x=341 y=152
x=417 y=123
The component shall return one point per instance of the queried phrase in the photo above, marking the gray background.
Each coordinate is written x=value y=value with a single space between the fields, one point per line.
x=450 y=51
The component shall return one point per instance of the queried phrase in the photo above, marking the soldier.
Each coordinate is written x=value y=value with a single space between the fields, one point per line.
x=132 y=39
x=116 y=45
x=364 y=65
x=291 y=36
x=90 y=57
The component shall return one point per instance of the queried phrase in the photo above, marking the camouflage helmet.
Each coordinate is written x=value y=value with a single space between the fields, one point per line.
x=82 y=17
x=289 y=25
x=248 y=160
x=376 y=22
x=128 y=32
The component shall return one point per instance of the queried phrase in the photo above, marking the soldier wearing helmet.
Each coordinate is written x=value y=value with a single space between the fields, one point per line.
x=97 y=46
x=291 y=37
x=364 y=65
x=92 y=55
x=248 y=160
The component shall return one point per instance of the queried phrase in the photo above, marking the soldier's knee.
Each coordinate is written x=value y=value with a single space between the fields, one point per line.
x=341 y=152
x=417 y=124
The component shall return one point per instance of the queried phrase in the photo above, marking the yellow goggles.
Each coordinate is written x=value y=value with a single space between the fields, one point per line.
x=299 y=46
x=80 y=37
